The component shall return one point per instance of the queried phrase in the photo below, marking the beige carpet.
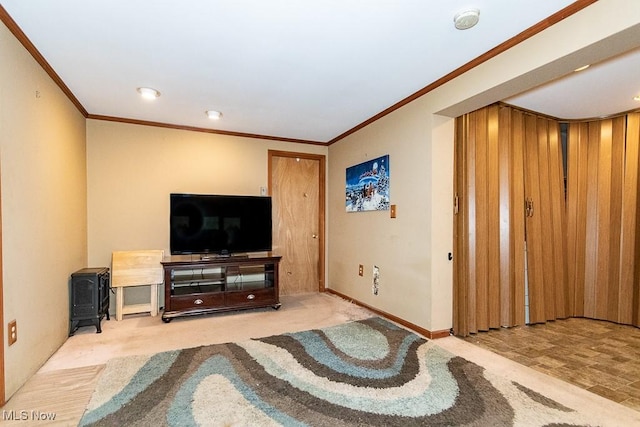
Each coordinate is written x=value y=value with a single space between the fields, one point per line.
x=65 y=383
x=63 y=386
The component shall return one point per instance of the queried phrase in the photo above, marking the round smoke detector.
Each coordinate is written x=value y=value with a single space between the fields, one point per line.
x=466 y=19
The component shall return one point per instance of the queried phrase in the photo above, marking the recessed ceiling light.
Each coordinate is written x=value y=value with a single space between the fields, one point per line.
x=636 y=98
x=584 y=67
x=148 y=93
x=214 y=115
x=466 y=19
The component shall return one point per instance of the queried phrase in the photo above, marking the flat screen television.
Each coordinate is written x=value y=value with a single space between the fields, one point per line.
x=219 y=224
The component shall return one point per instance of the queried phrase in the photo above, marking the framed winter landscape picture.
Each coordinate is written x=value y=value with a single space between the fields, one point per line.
x=368 y=186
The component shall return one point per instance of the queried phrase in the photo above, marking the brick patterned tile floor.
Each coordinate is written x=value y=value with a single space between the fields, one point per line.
x=598 y=356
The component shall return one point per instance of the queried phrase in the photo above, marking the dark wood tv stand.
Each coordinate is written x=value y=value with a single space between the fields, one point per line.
x=195 y=284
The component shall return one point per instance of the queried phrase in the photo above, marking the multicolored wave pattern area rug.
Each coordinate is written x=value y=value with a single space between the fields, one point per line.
x=363 y=373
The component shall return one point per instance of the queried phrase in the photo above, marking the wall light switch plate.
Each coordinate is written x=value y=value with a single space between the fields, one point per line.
x=361 y=270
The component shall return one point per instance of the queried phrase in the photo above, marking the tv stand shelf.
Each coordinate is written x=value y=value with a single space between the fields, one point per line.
x=198 y=285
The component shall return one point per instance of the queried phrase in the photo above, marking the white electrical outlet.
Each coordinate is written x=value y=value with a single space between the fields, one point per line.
x=376 y=279
x=12 y=330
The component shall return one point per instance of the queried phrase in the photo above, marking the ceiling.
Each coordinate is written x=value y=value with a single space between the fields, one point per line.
x=290 y=69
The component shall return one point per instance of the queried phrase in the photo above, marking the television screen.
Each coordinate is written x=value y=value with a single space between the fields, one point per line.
x=219 y=224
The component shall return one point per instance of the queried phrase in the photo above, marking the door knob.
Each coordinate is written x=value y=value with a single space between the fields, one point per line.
x=315 y=236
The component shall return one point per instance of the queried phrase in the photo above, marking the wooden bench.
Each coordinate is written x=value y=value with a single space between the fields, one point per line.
x=136 y=268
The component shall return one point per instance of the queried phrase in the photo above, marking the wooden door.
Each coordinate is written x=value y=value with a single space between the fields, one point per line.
x=296 y=185
x=505 y=157
x=549 y=296
x=603 y=205
x=489 y=222
x=2 y=385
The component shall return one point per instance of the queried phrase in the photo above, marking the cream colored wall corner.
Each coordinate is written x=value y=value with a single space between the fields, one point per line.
x=411 y=250
x=44 y=222
x=132 y=169
x=441 y=216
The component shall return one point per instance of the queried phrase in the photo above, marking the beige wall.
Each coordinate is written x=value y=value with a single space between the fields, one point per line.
x=411 y=250
x=399 y=247
x=133 y=169
x=44 y=221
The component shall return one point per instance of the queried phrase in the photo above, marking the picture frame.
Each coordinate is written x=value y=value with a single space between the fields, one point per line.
x=367 y=186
